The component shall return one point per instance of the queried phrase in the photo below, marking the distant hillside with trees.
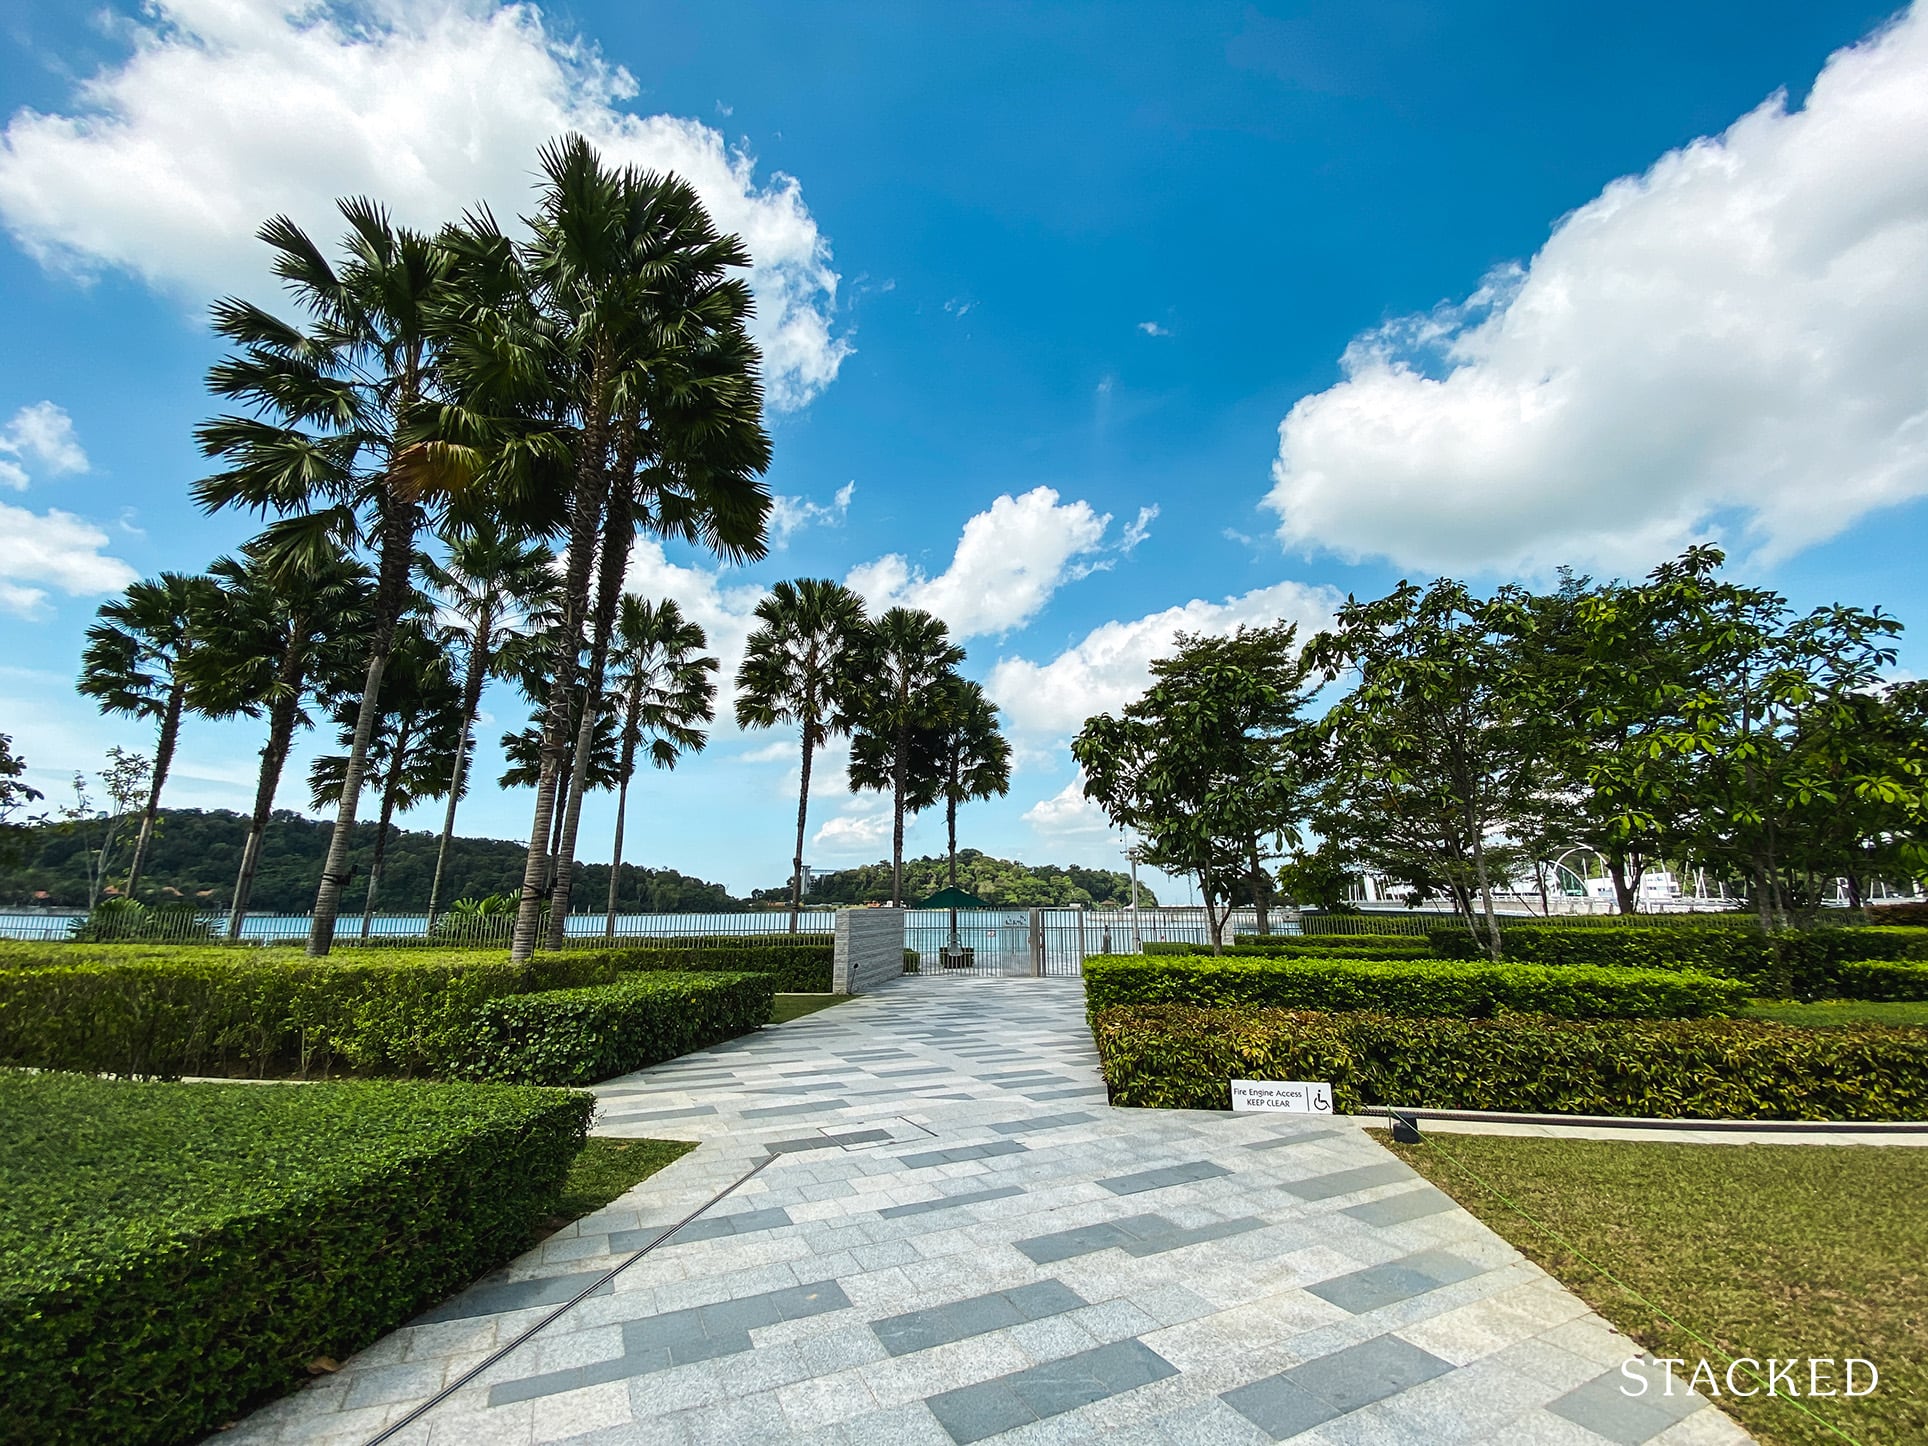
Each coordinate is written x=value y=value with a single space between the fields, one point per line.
x=1004 y=882
x=195 y=854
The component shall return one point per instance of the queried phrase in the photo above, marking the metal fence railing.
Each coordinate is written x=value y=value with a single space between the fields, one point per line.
x=1056 y=942
x=171 y=925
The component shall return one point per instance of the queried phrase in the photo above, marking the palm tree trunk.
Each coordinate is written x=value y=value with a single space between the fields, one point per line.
x=585 y=519
x=163 y=758
x=618 y=533
x=471 y=700
x=897 y=821
x=950 y=834
x=624 y=772
x=399 y=521
x=274 y=757
x=389 y=790
x=803 y=809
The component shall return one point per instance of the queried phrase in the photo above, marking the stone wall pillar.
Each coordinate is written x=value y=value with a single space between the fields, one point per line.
x=870 y=950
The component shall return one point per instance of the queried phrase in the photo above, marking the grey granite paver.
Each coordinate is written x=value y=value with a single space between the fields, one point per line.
x=938 y=1252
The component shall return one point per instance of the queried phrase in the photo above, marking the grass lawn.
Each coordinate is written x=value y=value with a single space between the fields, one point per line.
x=606 y=1168
x=1839 y=1011
x=795 y=1006
x=1761 y=1250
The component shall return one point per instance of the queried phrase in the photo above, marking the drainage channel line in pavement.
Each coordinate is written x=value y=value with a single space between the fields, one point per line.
x=501 y=1352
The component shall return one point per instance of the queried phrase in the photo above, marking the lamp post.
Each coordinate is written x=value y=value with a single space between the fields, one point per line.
x=1137 y=940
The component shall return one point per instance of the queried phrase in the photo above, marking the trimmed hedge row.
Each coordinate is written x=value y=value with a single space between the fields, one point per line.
x=1409 y=987
x=1811 y=963
x=576 y=1036
x=800 y=964
x=211 y=1012
x=1362 y=946
x=1177 y=1057
x=172 y=1254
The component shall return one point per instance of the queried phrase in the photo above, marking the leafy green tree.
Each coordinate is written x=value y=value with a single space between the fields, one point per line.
x=1319 y=878
x=1209 y=766
x=1431 y=748
x=668 y=697
x=15 y=793
x=276 y=642
x=328 y=445
x=491 y=591
x=894 y=686
x=617 y=329
x=125 y=779
x=793 y=668
x=136 y=663
x=418 y=727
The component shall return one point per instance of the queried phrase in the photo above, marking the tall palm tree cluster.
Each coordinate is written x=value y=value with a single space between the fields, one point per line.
x=918 y=730
x=453 y=447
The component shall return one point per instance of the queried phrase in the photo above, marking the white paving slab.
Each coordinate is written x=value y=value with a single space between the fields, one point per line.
x=958 y=1239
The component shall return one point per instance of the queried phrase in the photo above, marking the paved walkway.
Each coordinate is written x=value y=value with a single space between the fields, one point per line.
x=957 y=1239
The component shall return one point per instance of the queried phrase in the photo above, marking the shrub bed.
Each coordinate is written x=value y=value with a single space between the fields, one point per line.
x=1409 y=987
x=1361 y=946
x=171 y=1254
x=576 y=1036
x=170 y=1012
x=1179 y=1057
x=800 y=964
x=1811 y=963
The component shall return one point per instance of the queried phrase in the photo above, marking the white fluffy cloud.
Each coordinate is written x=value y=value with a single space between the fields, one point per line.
x=1112 y=665
x=43 y=433
x=53 y=550
x=1010 y=559
x=1735 y=343
x=1068 y=814
x=792 y=514
x=228 y=111
x=854 y=834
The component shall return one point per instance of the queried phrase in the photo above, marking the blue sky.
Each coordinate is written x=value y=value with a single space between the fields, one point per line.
x=1039 y=286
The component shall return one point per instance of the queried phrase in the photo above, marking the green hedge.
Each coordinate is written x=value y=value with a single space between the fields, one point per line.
x=800 y=964
x=1325 y=946
x=171 y=1255
x=171 y=1012
x=577 y=1036
x=1809 y=963
x=1409 y=987
x=1178 y=1057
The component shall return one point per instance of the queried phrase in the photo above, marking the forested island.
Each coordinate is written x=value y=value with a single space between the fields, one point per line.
x=195 y=854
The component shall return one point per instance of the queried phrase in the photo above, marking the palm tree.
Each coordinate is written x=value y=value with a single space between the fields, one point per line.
x=624 y=334
x=792 y=667
x=667 y=693
x=491 y=590
x=330 y=445
x=417 y=728
x=901 y=671
x=136 y=662
x=277 y=642
x=973 y=760
x=972 y=754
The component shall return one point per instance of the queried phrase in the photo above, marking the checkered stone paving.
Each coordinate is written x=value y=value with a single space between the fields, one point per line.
x=956 y=1239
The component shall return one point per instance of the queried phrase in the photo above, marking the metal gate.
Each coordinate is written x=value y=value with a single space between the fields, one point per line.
x=1048 y=943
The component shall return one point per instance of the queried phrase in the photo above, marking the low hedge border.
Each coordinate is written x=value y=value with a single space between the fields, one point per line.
x=1171 y=1056
x=1409 y=987
x=799 y=965
x=1809 y=963
x=213 y=1012
x=578 y=1036
x=170 y=1255
x=1324 y=946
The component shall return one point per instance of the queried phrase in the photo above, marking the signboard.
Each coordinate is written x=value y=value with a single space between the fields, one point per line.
x=1297 y=1097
